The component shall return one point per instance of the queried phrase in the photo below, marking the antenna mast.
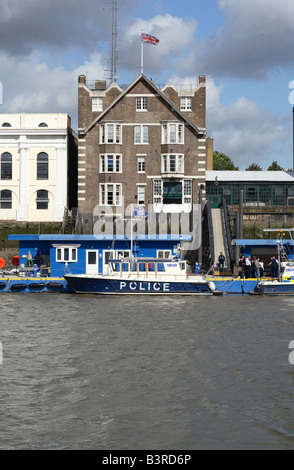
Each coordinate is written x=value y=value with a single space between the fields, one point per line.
x=114 y=42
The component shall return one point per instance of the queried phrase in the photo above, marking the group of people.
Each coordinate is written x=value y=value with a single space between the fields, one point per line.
x=254 y=267
x=249 y=267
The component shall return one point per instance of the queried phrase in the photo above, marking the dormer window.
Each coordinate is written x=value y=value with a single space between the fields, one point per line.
x=97 y=104
x=141 y=103
x=186 y=103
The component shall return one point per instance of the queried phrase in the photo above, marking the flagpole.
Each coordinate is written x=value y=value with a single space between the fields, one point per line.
x=141 y=53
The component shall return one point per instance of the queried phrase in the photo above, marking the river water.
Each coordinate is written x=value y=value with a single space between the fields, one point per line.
x=120 y=373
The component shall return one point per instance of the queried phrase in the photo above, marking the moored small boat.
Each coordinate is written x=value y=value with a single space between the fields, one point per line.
x=282 y=286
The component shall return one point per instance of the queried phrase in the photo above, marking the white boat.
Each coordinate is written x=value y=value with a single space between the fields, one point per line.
x=282 y=286
x=143 y=276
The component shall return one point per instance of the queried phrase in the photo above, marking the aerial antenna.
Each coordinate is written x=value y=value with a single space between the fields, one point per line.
x=114 y=76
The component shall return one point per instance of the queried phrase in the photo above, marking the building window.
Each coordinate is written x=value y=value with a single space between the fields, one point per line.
x=6 y=124
x=172 y=133
x=5 y=199
x=186 y=103
x=42 y=166
x=110 y=134
x=141 y=163
x=157 y=191
x=42 y=199
x=172 y=192
x=43 y=124
x=163 y=254
x=141 y=103
x=110 y=194
x=187 y=191
x=110 y=163
x=172 y=163
x=6 y=166
x=141 y=194
x=141 y=134
x=66 y=253
x=97 y=104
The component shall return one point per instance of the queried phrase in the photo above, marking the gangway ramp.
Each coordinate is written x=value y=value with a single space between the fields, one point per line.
x=219 y=236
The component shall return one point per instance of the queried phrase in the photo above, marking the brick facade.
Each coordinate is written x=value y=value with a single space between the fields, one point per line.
x=170 y=152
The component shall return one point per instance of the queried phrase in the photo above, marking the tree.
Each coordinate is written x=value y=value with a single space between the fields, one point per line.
x=275 y=167
x=254 y=167
x=223 y=162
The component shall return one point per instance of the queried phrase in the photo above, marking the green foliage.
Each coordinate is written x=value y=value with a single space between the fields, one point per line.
x=254 y=167
x=223 y=162
x=275 y=167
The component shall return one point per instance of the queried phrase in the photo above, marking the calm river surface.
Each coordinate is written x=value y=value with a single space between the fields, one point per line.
x=120 y=373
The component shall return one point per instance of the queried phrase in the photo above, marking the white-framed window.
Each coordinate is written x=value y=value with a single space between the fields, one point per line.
x=172 y=133
x=141 y=163
x=141 y=134
x=157 y=191
x=141 y=103
x=172 y=163
x=163 y=254
x=110 y=163
x=110 y=194
x=186 y=103
x=187 y=191
x=141 y=196
x=66 y=253
x=97 y=104
x=110 y=133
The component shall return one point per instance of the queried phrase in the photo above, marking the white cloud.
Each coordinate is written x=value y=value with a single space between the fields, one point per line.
x=176 y=37
x=31 y=86
x=242 y=129
x=256 y=36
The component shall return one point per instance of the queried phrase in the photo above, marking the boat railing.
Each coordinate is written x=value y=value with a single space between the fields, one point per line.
x=147 y=268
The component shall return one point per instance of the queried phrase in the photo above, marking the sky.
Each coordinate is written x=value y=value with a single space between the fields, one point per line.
x=243 y=47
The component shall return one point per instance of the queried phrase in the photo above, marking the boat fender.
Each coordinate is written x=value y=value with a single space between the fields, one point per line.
x=211 y=285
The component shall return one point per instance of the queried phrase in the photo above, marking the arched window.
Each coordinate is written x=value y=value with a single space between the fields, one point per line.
x=5 y=199
x=43 y=124
x=42 y=166
x=6 y=124
x=6 y=166
x=42 y=199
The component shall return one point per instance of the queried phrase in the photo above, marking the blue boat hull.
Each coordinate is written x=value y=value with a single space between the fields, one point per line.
x=279 y=288
x=92 y=285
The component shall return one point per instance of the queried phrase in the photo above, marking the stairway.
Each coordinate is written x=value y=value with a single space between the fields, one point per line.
x=219 y=236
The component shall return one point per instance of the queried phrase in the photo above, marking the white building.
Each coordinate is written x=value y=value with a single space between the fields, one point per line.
x=38 y=158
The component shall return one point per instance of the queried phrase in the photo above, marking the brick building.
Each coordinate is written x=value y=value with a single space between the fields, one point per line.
x=140 y=145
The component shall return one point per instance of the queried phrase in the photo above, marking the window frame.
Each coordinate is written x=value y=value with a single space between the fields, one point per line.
x=68 y=253
x=41 y=165
x=141 y=190
x=97 y=104
x=141 y=137
x=186 y=103
x=6 y=166
x=105 y=159
x=104 y=194
x=141 y=163
x=142 y=103
x=170 y=159
x=5 y=200
x=42 y=200
x=110 y=133
x=170 y=135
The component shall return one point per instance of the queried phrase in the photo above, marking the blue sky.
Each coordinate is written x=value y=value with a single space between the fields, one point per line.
x=244 y=47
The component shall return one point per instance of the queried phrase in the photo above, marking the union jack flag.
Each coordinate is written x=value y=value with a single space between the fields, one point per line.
x=148 y=38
